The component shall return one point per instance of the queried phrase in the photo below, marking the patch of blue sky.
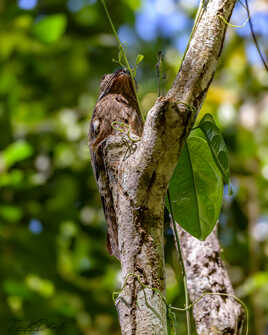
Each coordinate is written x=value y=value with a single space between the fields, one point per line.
x=35 y=226
x=252 y=54
x=259 y=20
x=190 y=4
x=146 y=26
x=127 y=35
x=149 y=8
x=172 y=23
x=180 y=42
x=27 y=4
x=160 y=17
x=260 y=23
x=165 y=7
x=239 y=17
x=76 y=5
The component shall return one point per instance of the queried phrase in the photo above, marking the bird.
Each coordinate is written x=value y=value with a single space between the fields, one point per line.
x=117 y=104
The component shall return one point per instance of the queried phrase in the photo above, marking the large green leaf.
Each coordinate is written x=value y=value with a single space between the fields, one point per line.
x=216 y=143
x=50 y=28
x=196 y=189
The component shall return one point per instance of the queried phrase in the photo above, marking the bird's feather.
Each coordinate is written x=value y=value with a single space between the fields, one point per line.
x=117 y=103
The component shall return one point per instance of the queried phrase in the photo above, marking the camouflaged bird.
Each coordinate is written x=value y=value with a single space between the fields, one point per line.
x=117 y=103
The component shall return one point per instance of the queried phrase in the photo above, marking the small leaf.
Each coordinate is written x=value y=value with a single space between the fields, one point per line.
x=196 y=189
x=50 y=28
x=139 y=59
x=16 y=152
x=216 y=143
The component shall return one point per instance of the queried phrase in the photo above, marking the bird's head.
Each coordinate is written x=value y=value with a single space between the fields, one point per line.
x=118 y=82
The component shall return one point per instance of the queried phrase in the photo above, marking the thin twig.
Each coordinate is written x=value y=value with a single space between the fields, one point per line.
x=124 y=55
x=177 y=241
x=255 y=38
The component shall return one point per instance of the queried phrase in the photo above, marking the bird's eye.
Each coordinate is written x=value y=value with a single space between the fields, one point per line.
x=96 y=125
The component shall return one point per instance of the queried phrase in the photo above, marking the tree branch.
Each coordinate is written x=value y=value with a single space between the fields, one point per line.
x=169 y=121
x=140 y=184
x=205 y=272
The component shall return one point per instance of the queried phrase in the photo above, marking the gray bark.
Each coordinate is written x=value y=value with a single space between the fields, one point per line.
x=140 y=188
x=205 y=272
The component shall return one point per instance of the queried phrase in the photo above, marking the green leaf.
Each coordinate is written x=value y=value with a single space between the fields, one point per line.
x=42 y=286
x=139 y=59
x=253 y=283
x=16 y=152
x=16 y=288
x=133 y=4
x=217 y=145
x=50 y=28
x=196 y=189
x=13 y=178
x=10 y=213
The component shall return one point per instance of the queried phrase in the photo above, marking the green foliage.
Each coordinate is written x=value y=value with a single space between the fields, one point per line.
x=16 y=288
x=13 y=178
x=10 y=213
x=50 y=29
x=196 y=189
x=257 y=282
x=216 y=143
x=133 y=4
x=41 y=286
x=139 y=59
x=53 y=258
x=16 y=152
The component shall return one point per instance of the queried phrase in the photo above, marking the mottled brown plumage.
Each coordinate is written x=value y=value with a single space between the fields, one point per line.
x=116 y=103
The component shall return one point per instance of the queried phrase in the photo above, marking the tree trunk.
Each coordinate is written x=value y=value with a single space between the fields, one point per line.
x=141 y=185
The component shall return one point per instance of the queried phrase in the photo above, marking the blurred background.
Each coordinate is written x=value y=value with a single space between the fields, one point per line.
x=55 y=272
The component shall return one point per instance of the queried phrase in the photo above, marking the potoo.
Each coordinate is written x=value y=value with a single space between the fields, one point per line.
x=117 y=104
